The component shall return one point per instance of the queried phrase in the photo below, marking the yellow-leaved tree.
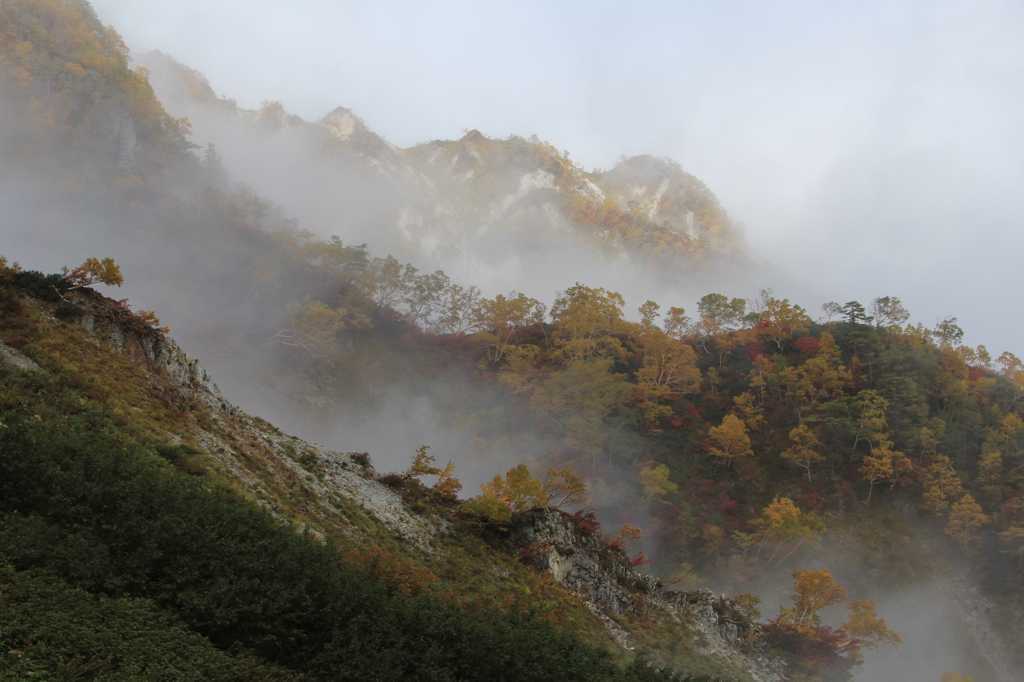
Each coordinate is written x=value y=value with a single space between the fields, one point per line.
x=941 y=484
x=869 y=631
x=579 y=398
x=564 y=488
x=876 y=467
x=781 y=526
x=805 y=452
x=498 y=319
x=656 y=483
x=94 y=271
x=314 y=328
x=965 y=521
x=669 y=370
x=518 y=489
x=423 y=465
x=730 y=439
x=583 y=318
x=781 y=320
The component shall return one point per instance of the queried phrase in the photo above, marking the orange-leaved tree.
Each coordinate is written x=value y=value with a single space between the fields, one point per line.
x=813 y=591
x=626 y=536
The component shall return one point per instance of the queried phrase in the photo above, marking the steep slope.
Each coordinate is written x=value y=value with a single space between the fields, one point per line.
x=118 y=371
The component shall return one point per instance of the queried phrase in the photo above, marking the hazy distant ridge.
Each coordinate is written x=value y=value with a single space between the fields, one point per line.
x=476 y=197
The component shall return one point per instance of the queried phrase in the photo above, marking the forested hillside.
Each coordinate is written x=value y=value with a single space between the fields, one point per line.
x=762 y=448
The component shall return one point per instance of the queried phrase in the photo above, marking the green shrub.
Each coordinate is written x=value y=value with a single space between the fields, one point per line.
x=53 y=631
x=184 y=457
x=487 y=511
x=67 y=311
x=49 y=288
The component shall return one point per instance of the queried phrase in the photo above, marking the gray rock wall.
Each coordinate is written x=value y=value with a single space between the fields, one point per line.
x=603 y=578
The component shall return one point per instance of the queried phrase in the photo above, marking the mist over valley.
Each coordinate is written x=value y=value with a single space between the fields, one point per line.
x=776 y=369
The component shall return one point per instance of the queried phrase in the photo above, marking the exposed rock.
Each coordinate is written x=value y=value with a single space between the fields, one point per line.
x=15 y=358
x=188 y=373
x=350 y=475
x=975 y=610
x=603 y=577
x=127 y=142
x=581 y=561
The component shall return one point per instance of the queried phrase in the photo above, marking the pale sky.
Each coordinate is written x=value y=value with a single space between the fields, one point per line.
x=871 y=148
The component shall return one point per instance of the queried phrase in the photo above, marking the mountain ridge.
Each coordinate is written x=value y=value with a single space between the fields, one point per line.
x=451 y=193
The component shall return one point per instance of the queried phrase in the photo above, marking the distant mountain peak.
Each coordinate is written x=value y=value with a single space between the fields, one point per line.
x=439 y=199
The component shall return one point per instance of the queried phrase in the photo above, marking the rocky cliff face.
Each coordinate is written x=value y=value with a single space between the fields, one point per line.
x=604 y=578
x=660 y=191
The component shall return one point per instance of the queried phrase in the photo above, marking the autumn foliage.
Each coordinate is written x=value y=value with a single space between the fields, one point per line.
x=520 y=491
x=815 y=649
x=745 y=431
